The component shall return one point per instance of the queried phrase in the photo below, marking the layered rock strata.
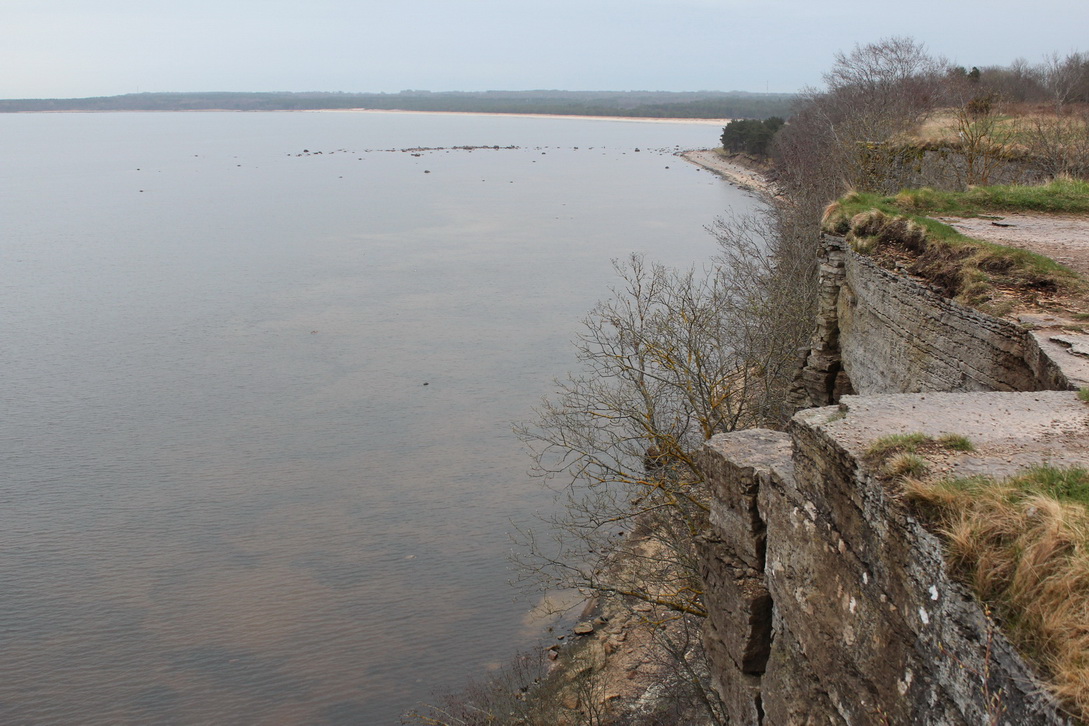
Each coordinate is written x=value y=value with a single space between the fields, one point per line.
x=829 y=602
x=880 y=332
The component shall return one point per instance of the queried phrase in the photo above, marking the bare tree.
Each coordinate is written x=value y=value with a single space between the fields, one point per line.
x=667 y=361
x=659 y=376
x=1019 y=82
x=1066 y=78
x=839 y=138
x=670 y=359
x=982 y=139
x=1060 y=144
x=895 y=79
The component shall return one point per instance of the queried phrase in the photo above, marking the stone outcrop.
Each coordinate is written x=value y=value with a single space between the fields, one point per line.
x=733 y=557
x=829 y=602
x=880 y=332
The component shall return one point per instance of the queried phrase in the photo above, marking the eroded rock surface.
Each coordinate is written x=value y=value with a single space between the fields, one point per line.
x=830 y=602
x=857 y=621
x=888 y=333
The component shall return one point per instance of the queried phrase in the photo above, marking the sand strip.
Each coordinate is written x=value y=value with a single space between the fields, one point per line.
x=731 y=171
x=633 y=119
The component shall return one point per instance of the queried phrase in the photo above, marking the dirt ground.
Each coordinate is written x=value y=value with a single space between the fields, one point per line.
x=1063 y=238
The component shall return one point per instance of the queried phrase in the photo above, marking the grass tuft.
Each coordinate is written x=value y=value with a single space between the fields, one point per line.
x=955 y=442
x=897 y=443
x=965 y=269
x=1022 y=544
x=1083 y=394
x=899 y=456
x=904 y=464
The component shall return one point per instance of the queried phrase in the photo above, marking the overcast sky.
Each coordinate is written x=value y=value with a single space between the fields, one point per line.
x=75 y=48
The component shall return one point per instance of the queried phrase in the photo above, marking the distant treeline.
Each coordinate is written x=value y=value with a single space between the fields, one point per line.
x=647 y=104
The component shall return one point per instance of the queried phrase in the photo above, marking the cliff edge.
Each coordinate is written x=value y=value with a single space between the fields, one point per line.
x=830 y=598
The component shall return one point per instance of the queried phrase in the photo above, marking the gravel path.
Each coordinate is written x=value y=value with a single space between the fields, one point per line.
x=1063 y=238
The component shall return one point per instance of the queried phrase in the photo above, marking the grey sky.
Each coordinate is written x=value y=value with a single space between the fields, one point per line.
x=61 y=48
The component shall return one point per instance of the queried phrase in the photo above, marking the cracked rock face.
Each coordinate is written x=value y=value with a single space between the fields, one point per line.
x=733 y=563
x=887 y=333
x=850 y=617
x=829 y=602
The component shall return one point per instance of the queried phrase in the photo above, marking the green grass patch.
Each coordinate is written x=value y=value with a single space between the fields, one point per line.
x=1083 y=394
x=897 y=444
x=1064 y=485
x=1070 y=196
x=965 y=269
x=956 y=442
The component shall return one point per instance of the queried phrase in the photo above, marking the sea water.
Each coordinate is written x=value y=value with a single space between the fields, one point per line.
x=259 y=374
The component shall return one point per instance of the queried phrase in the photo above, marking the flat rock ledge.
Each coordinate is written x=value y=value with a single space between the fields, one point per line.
x=831 y=602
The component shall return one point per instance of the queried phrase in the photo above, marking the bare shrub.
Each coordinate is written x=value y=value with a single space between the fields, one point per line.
x=517 y=693
x=839 y=138
x=983 y=139
x=1059 y=144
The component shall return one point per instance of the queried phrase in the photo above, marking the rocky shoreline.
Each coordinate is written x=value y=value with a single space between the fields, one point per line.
x=733 y=169
x=629 y=662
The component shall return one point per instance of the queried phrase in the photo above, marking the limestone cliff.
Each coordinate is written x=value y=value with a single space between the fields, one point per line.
x=879 y=332
x=829 y=601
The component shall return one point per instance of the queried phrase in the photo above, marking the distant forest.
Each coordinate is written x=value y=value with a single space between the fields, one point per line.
x=646 y=104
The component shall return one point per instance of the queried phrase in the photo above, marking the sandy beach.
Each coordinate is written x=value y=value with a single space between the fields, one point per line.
x=635 y=119
x=731 y=171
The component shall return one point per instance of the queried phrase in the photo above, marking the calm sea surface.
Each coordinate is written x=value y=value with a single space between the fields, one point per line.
x=226 y=494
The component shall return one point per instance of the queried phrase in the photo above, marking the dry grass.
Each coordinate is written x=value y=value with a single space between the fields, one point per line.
x=942 y=128
x=1018 y=123
x=904 y=464
x=1023 y=546
x=973 y=272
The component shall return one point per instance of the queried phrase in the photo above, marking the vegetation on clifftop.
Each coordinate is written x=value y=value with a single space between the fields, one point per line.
x=899 y=230
x=1022 y=545
x=1058 y=196
x=894 y=117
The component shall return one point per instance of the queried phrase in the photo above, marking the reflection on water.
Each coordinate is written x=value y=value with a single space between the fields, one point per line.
x=229 y=497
